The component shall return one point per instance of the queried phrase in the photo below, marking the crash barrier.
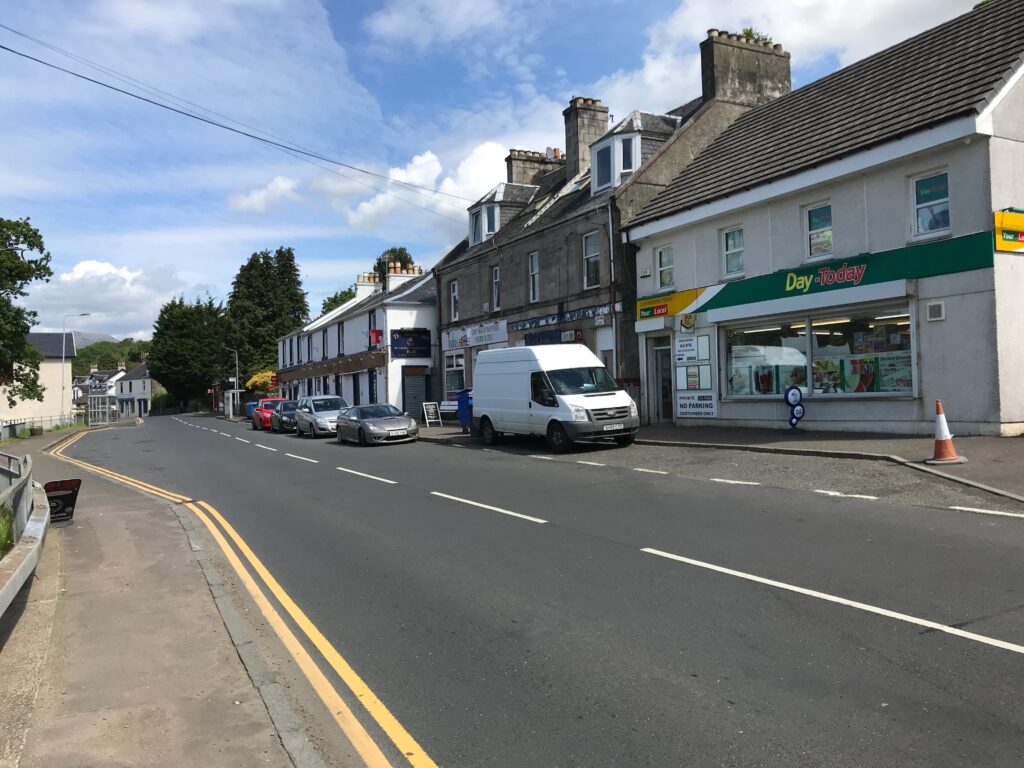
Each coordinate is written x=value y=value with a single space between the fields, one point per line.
x=30 y=512
x=16 y=489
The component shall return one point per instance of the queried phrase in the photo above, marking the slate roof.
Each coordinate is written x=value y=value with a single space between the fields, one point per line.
x=136 y=373
x=49 y=344
x=422 y=292
x=647 y=123
x=946 y=72
x=507 y=192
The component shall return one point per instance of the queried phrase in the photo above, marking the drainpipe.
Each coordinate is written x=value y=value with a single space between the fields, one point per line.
x=611 y=289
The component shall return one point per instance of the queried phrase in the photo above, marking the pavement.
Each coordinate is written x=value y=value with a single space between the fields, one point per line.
x=117 y=652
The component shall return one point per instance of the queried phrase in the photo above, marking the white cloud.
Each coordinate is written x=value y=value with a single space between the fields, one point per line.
x=423 y=23
x=422 y=171
x=168 y=20
x=259 y=200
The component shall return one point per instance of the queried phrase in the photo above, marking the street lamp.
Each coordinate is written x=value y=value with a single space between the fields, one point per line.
x=234 y=394
x=63 y=349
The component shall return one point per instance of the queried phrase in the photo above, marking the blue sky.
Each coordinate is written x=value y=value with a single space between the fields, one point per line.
x=138 y=205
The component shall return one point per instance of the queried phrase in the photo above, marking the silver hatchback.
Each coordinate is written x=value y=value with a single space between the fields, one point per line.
x=318 y=416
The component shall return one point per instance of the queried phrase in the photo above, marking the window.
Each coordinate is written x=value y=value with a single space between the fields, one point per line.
x=327 y=385
x=291 y=351
x=492 y=220
x=540 y=391
x=495 y=288
x=534 y=275
x=323 y=342
x=453 y=299
x=591 y=261
x=732 y=246
x=476 y=231
x=341 y=340
x=454 y=374
x=604 y=166
x=664 y=259
x=309 y=348
x=819 y=231
x=298 y=346
x=627 y=155
x=129 y=386
x=931 y=204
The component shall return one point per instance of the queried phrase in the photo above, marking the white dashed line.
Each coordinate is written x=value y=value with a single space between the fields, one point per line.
x=369 y=477
x=542 y=458
x=988 y=511
x=241 y=440
x=842 y=601
x=649 y=471
x=732 y=482
x=225 y=434
x=488 y=506
x=847 y=495
x=266 y=447
x=592 y=463
x=302 y=458
x=488 y=450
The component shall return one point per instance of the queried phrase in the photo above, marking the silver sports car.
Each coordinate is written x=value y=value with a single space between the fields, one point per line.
x=365 y=424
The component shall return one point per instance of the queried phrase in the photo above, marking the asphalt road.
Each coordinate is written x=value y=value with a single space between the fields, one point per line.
x=499 y=640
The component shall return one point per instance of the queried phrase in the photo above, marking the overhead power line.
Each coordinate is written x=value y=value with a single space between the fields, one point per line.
x=290 y=148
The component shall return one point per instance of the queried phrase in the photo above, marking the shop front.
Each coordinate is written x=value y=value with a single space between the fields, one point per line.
x=590 y=326
x=870 y=341
x=459 y=348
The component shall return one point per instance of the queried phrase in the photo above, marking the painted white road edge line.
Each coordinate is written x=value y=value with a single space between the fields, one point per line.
x=488 y=506
x=592 y=463
x=241 y=440
x=732 y=482
x=542 y=458
x=847 y=495
x=842 y=601
x=649 y=471
x=370 y=477
x=302 y=458
x=266 y=447
x=988 y=511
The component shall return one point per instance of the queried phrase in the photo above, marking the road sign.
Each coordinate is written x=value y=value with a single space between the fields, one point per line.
x=62 y=496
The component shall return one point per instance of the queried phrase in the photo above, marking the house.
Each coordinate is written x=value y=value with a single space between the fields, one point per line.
x=839 y=240
x=544 y=260
x=135 y=391
x=378 y=347
x=58 y=352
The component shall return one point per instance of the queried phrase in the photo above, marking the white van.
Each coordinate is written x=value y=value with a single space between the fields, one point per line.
x=561 y=391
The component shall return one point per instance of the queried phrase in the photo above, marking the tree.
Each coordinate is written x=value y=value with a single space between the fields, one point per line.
x=187 y=353
x=105 y=355
x=266 y=302
x=19 y=360
x=339 y=298
x=756 y=37
x=399 y=254
x=262 y=382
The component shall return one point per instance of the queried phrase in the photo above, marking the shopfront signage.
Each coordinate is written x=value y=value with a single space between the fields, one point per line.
x=493 y=332
x=696 y=404
x=62 y=495
x=845 y=275
x=667 y=304
x=571 y=316
x=1010 y=230
x=410 y=342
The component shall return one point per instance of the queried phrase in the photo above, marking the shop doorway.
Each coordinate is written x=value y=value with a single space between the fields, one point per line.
x=660 y=375
x=414 y=389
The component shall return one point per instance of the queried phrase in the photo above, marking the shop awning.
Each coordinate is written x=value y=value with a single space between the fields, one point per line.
x=360 y=361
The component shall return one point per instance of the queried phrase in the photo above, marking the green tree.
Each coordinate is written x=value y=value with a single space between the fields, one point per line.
x=187 y=354
x=399 y=254
x=339 y=298
x=19 y=360
x=105 y=355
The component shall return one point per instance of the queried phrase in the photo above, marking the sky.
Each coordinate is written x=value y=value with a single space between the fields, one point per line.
x=138 y=205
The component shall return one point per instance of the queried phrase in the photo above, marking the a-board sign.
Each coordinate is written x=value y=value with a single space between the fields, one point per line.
x=62 y=496
x=431 y=412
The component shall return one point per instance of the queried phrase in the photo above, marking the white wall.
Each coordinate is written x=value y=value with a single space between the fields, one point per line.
x=399 y=317
x=50 y=405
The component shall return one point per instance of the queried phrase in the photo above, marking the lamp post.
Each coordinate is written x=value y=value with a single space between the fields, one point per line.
x=63 y=350
x=234 y=394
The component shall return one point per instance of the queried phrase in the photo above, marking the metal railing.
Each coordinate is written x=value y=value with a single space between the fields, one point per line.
x=15 y=427
x=16 y=489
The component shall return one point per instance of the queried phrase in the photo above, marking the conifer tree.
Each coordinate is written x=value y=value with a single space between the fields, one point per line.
x=187 y=353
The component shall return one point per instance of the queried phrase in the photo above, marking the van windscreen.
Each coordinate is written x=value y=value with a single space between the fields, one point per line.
x=582 y=381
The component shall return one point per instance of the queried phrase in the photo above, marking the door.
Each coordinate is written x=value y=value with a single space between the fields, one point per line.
x=372 y=374
x=663 y=377
x=542 y=403
x=414 y=391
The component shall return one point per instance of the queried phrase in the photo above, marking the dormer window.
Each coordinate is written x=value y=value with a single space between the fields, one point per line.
x=614 y=161
x=604 y=167
x=483 y=223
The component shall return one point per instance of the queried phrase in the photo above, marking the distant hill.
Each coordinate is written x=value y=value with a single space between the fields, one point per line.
x=105 y=355
x=84 y=338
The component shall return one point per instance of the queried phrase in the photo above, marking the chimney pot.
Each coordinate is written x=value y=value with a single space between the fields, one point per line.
x=712 y=33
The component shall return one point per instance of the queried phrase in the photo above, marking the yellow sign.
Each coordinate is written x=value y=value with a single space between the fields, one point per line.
x=667 y=305
x=1010 y=231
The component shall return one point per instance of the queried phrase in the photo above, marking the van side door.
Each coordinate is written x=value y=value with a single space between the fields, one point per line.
x=542 y=403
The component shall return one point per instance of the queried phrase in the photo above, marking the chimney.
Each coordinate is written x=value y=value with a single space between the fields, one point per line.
x=585 y=122
x=738 y=70
x=93 y=368
x=120 y=365
x=364 y=285
x=400 y=277
x=525 y=167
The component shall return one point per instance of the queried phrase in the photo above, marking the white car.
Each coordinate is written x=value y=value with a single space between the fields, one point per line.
x=318 y=416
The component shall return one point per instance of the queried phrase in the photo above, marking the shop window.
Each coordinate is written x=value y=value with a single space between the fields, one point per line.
x=591 y=261
x=454 y=374
x=664 y=259
x=931 y=204
x=862 y=354
x=761 y=361
x=732 y=249
x=819 y=231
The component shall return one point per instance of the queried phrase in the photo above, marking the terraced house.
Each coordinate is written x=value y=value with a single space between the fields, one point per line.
x=855 y=239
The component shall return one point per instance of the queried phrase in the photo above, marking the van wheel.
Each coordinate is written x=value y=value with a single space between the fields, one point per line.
x=624 y=440
x=490 y=437
x=558 y=441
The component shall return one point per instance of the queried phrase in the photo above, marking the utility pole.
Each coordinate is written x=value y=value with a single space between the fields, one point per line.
x=63 y=351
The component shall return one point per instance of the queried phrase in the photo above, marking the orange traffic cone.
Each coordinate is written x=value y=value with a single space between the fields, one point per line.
x=945 y=453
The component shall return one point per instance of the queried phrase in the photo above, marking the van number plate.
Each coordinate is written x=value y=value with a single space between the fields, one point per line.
x=610 y=427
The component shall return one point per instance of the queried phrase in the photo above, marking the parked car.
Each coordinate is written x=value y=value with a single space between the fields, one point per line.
x=366 y=424
x=282 y=418
x=316 y=416
x=560 y=391
x=261 y=413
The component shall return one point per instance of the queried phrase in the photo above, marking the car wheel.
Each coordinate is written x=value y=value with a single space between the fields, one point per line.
x=624 y=440
x=558 y=441
x=254 y=427
x=298 y=429
x=362 y=437
x=312 y=430
x=490 y=437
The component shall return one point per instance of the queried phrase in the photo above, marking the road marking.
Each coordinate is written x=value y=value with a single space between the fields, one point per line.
x=591 y=463
x=266 y=447
x=488 y=506
x=371 y=477
x=988 y=511
x=396 y=732
x=226 y=434
x=302 y=458
x=847 y=495
x=842 y=601
x=649 y=471
x=241 y=440
x=489 y=450
x=343 y=716
x=732 y=482
x=542 y=458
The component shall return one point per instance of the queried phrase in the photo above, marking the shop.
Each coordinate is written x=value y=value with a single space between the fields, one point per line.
x=459 y=348
x=870 y=341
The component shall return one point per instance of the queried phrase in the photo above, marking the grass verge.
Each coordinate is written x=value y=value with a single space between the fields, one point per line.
x=6 y=529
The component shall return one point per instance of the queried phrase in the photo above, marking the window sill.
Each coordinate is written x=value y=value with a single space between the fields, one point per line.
x=735 y=276
x=823 y=257
x=591 y=287
x=945 y=234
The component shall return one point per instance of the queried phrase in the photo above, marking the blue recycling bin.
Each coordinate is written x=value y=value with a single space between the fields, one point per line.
x=465 y=400
x=249 y=408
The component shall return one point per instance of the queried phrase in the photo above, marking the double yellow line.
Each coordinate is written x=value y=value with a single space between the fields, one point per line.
x=340 y=711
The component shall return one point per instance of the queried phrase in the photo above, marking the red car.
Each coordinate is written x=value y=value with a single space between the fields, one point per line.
x=261 y=413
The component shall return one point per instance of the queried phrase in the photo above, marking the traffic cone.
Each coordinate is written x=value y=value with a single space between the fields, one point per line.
x=945 y=453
